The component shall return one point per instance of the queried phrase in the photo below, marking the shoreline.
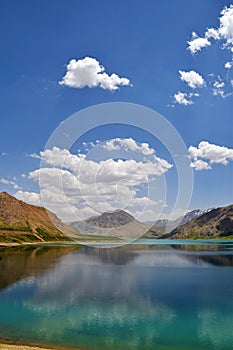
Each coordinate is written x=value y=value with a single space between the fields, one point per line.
x=10 y=345
x=67 y=243
x=82 y=243
x=7 y=346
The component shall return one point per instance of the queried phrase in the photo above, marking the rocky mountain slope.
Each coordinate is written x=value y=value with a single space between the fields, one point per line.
x=116 y=224
x=110 y=219
x=22 y=222
x=217 y=223
x=161 y=225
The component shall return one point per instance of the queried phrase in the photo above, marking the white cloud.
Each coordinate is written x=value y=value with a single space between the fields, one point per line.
x=218 y=88
x=200 y=165
x=196 y=43
x=184 y=98
x=219 y=84
x=224 y=32
x=226 y=24
x=34 y=155
x=192 y=78
x=128 y=144
x=29 y=197
x=206 y=154
x=212 y=33
x=10 y=182
x=228 y=65
x=89 y=72
x=73 y=186
x=219 y=92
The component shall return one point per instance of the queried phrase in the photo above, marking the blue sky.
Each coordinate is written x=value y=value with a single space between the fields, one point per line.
x=145 y=42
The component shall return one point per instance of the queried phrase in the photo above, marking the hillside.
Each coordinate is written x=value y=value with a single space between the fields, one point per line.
x=118 y=224
x=22 y=222
x=160 y=226
x=217 y=223
x=110 y=219
x=97 y=224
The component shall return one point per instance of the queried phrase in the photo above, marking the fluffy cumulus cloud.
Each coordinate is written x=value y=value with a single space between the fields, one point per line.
x=192 y=78
x=75 y=187
x=183 y=98
x=196 y=43
x=225 y=29
x=29 y=197
x=200 y=165
x=224 y=32
x=205 y=154
x=89 y=72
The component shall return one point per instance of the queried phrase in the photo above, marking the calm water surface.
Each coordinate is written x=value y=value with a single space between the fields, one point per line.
x=140 y=296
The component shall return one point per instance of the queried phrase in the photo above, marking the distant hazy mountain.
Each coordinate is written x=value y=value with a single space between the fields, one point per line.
x=111 y=219
x=161 y=225
x=194 y=214
x=117 y=223
x=22 y=222
x=216 y=223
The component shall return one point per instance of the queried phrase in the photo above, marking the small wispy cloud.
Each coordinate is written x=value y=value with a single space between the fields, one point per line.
x=10 y=182
x=222 y=34
x=184 y=98
x=34 y=155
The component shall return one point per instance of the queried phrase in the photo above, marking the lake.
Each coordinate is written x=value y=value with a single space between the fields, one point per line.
x=150 y=295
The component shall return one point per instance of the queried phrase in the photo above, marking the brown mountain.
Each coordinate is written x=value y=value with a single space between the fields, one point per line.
x=22 y=222
x=115 y=224
x=110 y=219
x=217 y=223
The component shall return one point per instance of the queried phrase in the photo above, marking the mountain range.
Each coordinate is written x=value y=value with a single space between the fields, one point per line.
x=163 y=225
x=217 y=223
x=22 y=222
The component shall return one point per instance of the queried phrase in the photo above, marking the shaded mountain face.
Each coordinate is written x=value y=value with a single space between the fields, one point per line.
x=22 y=222
x=194 y=214
x=217 y=223
x=116 y=224
x=110 y=219
x=106 y=220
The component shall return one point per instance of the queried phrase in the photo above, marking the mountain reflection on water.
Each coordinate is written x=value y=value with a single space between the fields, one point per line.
x=134 y=297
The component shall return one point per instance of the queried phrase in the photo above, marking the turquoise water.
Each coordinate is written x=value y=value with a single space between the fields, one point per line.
x=141 y=296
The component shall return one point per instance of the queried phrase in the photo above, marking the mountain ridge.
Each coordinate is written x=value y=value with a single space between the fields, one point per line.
x=23 y=222
x=190 y=215
x=113 y=223
x=217 y=223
